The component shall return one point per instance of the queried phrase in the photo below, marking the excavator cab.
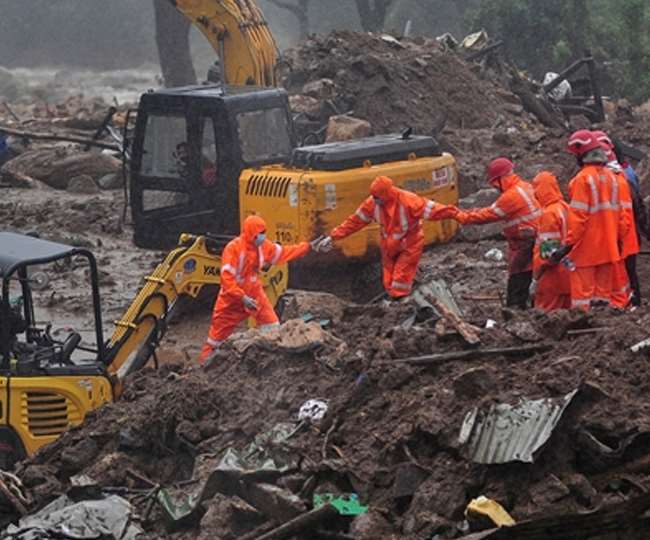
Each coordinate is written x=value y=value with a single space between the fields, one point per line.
x=190 y=145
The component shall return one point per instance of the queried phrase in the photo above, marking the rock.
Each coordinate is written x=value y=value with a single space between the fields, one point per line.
x=320 y=89
x=82 y=184
x=274 y=501
x=111 y=181
x=503 y=138
x=306 y=105
x=189 y=431
x=582 y=489
x=549 y=491
x=345 y=128
x=474 y=383
x=427 y=525
x=525 y=331
x=227 y=518
x=370 y=526
x=319 y=305
x=35 y=475
x=514 y=108
x=75 y=458
x=408 y=478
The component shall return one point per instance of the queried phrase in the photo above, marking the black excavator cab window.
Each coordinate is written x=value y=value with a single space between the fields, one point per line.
x=189 y=148
x=27 y=346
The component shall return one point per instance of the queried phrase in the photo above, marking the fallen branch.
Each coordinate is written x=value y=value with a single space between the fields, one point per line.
x=53 y=137
x=439 y=358
x=587 y=331
x=304 y=521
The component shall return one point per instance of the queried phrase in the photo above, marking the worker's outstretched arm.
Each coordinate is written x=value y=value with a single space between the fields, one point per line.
x=506 y=205
x=433 y=211
x=229 y=286
x=357 y=221
x=277 y=254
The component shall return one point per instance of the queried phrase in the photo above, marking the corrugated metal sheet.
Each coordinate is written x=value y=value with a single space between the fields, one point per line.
x=507 y=433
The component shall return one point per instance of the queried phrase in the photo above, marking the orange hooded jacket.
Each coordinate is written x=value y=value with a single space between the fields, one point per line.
x=519 y=209
x=597 y=226
x=554 y=279
x=399 y=218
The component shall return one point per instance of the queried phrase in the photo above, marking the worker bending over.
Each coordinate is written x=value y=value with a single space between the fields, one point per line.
x=399 y=214
x=241 y=294
x=551 y=286
x=518 y=208
x=596 y=224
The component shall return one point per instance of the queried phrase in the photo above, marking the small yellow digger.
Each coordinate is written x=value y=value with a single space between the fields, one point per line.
x=48 y=385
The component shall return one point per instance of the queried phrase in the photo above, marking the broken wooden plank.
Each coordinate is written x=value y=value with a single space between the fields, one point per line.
x=582 y=331
x=469 y=332
x=439 y=358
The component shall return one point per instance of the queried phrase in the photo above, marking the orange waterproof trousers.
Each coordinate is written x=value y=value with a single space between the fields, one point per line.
x=591 y=284
x=621 y=292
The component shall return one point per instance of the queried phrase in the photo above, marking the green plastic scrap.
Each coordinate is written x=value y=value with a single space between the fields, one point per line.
x=346 y=505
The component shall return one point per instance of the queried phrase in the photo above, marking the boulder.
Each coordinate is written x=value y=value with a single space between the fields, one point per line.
x=84 y=184
x=345 y=128
x=320 y=89
x=305 y=104
x=111 y=181
x=55 y=166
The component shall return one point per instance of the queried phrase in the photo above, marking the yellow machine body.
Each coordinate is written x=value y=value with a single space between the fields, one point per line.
x=302 y=204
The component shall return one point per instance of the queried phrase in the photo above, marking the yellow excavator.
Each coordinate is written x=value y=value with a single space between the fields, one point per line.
x=48 y=385
x=204 y=157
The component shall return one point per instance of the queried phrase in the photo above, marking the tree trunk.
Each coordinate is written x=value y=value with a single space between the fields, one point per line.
x=173 y=42
x=372 y=14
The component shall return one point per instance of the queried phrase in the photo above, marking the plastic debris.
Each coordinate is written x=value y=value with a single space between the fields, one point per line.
x=506 y=433
x=106 y=518
x=313 y=410
x=494 y=254
x=490 y=323
x=346 y=505
x=560 y=92
x=482 y=506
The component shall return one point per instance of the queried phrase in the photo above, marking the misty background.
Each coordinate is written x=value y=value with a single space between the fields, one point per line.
x=539 y=36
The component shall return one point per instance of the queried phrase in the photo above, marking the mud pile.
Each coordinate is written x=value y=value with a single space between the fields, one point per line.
x=396 y=84
x=391 y=430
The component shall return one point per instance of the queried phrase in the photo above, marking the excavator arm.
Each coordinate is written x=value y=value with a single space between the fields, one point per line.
x=190 y=266
x=239 y=34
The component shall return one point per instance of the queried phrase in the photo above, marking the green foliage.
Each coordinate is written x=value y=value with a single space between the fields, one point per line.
x=546 y=36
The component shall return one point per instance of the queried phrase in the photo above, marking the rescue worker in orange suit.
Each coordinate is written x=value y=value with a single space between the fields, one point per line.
x=596 y=224
x=621 y=291
x=551 y=285
x=399 y=214
x=241 y=294
x=519 y=209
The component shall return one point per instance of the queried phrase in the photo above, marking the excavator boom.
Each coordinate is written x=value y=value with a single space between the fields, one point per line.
x=239 y=33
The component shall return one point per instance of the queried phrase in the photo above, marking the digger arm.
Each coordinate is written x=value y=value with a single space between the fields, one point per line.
x=239 y=34
x=184 y=272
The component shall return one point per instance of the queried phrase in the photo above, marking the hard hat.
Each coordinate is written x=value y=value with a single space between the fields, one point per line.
x=581 y=142
x=498 y=168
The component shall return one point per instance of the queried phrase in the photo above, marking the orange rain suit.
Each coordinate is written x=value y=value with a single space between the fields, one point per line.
x=596 y=229
x=241 y=263
x=519 y=209
x=400 y=221
x=621 y=291
x=554 y=283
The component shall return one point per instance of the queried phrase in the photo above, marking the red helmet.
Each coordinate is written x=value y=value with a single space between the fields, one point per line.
x=604 y=139
x=498 y=168
x=582 y=141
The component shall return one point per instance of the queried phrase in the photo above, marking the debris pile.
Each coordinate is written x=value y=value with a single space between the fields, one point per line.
x=248 y=446
x=393 y=84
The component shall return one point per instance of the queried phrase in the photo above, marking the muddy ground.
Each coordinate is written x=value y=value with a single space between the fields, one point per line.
x=391 y=432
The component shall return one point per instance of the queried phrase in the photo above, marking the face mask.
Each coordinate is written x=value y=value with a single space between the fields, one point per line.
x=378 y=201
x=260 y=238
